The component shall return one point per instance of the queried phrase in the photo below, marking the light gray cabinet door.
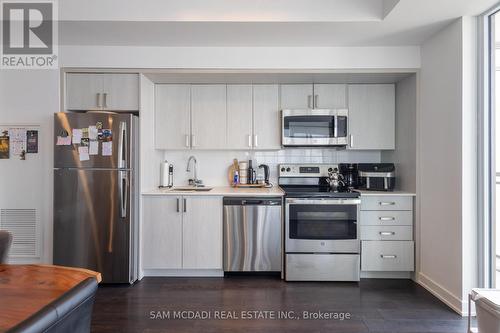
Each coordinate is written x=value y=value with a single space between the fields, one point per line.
x=372 y=113
x=239 y=116
x=172 y=116
x=202 y=232
x=209 y=121
x=121 y=92
x=162 y=233
x=266 y=117
x=330 y=96
x=84 y=91
x=296 y=96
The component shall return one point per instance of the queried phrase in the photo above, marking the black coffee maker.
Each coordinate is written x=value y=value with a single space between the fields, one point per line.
x=350 y=173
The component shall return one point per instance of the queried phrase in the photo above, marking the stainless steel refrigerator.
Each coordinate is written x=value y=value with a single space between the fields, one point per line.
x=95 y=195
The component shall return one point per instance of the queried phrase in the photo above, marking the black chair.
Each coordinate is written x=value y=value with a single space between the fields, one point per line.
x=70 y=313
x=5 y=241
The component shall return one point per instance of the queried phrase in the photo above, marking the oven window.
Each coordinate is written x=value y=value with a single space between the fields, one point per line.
x=323 y=221
x=309 y=126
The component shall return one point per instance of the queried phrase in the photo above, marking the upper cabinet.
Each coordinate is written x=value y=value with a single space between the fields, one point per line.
x=239 y=116
x=372 y=113
x=87 y=91
x=208 y=112
x=214 y=116
x=330 y=96
x=296 y=96
x=266 y=117
x=173 y=116
x=317 y=96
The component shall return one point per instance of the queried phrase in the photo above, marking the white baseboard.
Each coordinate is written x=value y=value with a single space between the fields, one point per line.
x=184 y=272
x=385 y=275
x=454 y=302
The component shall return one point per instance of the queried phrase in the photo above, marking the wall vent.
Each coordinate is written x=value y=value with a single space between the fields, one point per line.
x=22 y=224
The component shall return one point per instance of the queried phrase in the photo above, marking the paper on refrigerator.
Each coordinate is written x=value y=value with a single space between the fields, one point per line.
x=107 y=148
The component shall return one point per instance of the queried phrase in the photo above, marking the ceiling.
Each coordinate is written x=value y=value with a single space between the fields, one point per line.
x=299 y=23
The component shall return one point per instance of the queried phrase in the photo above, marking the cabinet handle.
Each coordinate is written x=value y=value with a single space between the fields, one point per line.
x=386 y=203
x=309 y=99
x=387 y=233
x=255 y=142
x=351 y=141
x=178 y=204
x=388 y=256
x=316 y=101
x=249 y=141
x=193 y=141
x=187 y=140
x=185 y=205
x=98 y=96
x=386 y=218
x=105 y=100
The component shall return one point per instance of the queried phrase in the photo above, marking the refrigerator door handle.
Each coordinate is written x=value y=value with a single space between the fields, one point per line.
x=122 y=146
x=123 y=193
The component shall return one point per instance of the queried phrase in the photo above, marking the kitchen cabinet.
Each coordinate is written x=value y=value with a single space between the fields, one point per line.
x=330 y=96
x=386 y=233
x=173 y=116
x=239 y=116
x=89 y=91
x=209 y=120
x=266 y=117
x=372 y=113
x=161 y=233
x=182 y=232
x=202 y=232
x=296 y=96
x=317 y=96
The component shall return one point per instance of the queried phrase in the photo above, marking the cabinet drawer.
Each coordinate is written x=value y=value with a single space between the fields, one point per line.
x=386 y=202
x=386 y=218
x=374 y=232
x=387 y=256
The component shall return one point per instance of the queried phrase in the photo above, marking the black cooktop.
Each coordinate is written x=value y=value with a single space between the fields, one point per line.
x=316 y=192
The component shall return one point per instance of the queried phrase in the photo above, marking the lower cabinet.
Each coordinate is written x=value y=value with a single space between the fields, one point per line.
x=386 y=233
x=182 y=232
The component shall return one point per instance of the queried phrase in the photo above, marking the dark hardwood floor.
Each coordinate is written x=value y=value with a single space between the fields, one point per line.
x=387 y=306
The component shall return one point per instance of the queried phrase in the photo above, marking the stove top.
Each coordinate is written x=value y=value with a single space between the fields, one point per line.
x=317 y=192
x=310 y=181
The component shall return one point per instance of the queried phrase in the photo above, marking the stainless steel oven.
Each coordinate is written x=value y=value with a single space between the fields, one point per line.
x=314 y=127
x=322 y=225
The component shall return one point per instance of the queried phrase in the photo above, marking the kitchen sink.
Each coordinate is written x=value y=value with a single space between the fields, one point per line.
x=192 y=189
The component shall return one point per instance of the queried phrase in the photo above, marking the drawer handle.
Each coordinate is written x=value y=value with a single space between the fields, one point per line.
x=387 y=233
x=386 y=218
x=386 y=203
x=388 y=256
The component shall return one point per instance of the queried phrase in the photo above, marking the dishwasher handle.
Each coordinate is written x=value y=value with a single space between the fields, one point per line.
x=252 y=201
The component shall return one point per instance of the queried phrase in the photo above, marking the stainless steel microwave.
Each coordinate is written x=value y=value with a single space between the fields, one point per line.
x=314 y=127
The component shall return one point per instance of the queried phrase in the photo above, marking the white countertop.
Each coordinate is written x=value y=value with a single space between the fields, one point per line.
x=386 y=193
x=226 y=191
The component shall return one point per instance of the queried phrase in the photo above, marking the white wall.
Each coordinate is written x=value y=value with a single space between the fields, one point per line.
x=30 y=97
x=241 y=57
x=446 y=170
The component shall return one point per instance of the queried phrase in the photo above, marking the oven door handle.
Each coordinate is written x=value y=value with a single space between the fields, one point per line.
x=324 y=201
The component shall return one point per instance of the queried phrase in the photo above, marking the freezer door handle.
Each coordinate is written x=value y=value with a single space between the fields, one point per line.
x=123 y=193
x=122 y=146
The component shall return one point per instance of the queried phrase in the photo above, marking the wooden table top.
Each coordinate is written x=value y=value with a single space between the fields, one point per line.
x=26 y=289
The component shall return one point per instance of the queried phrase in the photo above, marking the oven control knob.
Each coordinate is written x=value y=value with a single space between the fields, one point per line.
x=330 y=169
x=288 y=169
x=282 y=169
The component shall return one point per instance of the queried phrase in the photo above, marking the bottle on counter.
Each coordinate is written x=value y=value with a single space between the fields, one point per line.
x=251 y=173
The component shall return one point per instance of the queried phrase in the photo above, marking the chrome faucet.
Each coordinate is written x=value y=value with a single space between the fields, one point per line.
x=194 y=181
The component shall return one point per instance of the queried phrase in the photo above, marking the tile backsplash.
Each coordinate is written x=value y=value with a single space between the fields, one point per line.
x=213 y=165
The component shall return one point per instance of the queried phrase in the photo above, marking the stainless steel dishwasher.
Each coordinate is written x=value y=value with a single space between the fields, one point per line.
x=252 y=234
